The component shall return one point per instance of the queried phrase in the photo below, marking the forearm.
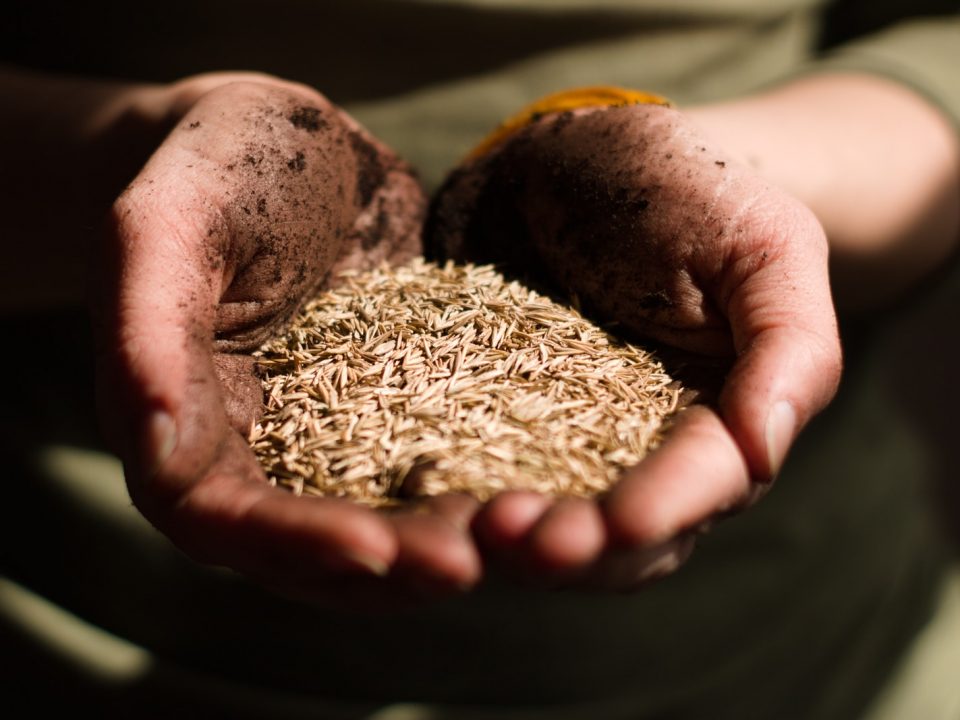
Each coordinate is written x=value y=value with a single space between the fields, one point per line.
x=878 y=164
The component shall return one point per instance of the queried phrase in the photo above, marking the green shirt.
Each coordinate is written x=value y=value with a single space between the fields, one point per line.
x=795 y=609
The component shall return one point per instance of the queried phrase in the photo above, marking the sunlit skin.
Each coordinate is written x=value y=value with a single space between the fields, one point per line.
x=632 y=211
x=734 y=236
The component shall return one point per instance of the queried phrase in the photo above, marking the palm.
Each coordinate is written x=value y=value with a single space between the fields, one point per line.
x=631 y=212
x=259 y=195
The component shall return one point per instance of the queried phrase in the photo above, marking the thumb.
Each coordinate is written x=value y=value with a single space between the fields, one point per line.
x=785 y=334
x=187 y=470
x=242 y=391
x=155 y=307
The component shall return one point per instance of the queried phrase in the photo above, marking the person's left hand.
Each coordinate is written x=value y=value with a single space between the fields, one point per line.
x=634 y=213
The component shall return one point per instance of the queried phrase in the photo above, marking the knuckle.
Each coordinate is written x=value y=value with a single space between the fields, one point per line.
x=636 y=524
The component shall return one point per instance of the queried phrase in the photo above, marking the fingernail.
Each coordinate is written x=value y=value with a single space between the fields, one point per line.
x=161 y=439
x=662 y=560
x=781 y=426
x=668 y=558
x=373 y=565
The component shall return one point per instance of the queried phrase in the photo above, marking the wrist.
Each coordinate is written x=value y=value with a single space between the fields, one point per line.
x=876 y=162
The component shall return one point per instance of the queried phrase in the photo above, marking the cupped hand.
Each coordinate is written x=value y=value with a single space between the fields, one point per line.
x=646 y=223
x=261 y=193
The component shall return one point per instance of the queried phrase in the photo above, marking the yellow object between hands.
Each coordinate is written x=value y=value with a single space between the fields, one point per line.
x=599 y=96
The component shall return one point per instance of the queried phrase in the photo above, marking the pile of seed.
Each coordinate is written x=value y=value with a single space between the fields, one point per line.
x=425 y=379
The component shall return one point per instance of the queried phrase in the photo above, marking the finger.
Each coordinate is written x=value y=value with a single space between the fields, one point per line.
x=389 y=225
x=566 y=538
x=698 y=472
x=188 y=471
x=232 y=517
x=785 y=333
x=441 y=560
x=436 y=558
x=633 y=568
x=503 y=523
x=434 y=554
x=157 y=308
x=458 y=509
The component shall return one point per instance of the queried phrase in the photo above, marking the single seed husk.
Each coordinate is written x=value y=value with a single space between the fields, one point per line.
x=425 y=379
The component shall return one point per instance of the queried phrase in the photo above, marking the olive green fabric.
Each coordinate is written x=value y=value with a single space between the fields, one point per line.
x=433 y=76
x=923 y=54
x=924 y=683
x=800 y=608
x=123 y=680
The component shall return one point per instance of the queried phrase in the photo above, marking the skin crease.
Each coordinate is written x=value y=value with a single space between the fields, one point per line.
x=565 y=195
x=876 y=162
x=256 y=197
x=165 y=334
x=629 y=209
x=890 y=209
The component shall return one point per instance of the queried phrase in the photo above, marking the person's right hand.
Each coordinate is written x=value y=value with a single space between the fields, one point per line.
x=262 y=191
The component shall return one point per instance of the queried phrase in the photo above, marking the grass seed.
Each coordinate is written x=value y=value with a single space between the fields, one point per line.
x=425 y=378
